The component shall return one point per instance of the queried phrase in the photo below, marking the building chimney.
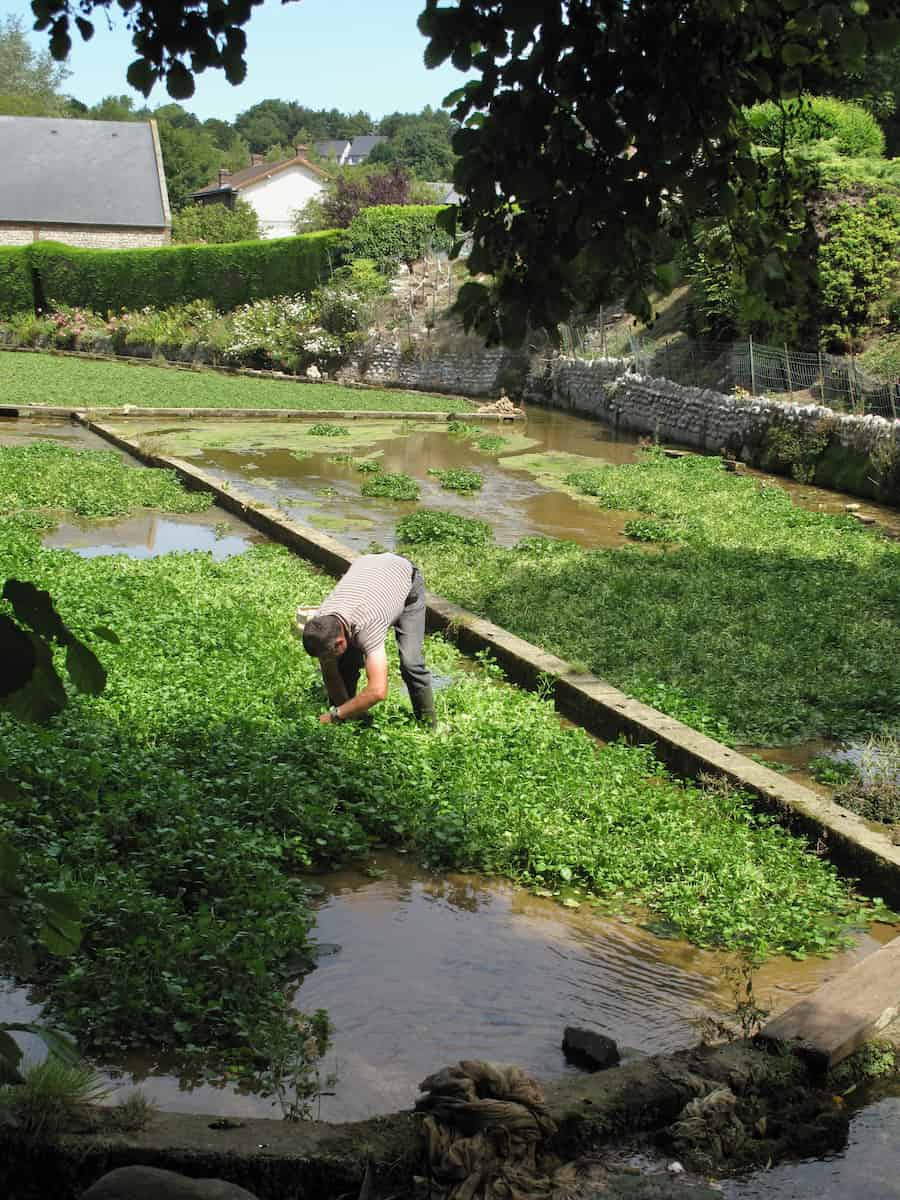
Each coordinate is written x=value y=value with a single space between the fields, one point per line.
x=224 y=174
x=256 y=159
x=300 y=149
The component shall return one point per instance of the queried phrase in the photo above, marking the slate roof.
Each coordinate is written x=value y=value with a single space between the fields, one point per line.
x=331 y=147
x=74 y=172
x=255 y=173
x=362 y=146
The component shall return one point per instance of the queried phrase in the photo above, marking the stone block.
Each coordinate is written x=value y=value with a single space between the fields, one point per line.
x=590 y=1049
x=151 y=1183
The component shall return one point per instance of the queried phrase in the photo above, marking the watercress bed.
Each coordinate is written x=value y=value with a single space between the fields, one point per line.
x=79 y=383
x=182 y=805
x=752 y=619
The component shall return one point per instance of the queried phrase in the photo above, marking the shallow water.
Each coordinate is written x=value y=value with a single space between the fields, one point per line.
x=294 y=474
x=279 y=463
x=434 y=968
x=868 y=1167
x=149 y=534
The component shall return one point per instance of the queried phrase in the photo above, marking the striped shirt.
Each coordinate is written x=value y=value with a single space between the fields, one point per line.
x=370 y=598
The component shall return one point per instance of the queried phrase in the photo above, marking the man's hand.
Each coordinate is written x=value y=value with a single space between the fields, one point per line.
x=326 y=719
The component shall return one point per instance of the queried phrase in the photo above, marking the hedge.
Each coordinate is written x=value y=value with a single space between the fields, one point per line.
x=855 y=132
x=395 y=233
x=228 y=275
x=15 y=281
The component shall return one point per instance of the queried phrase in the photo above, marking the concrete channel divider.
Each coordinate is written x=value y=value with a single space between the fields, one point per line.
x=257 y=414
x=845 y=1012
x=859 y=850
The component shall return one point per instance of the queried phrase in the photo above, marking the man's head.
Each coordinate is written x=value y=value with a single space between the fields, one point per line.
x=325 y=637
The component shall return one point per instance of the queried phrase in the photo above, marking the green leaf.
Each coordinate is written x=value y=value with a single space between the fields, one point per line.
x=10 y=1056
x=43 y=696
x=85 y=669
x=57 y=1043
x=17 y=656
x=60 y=937
x=793 y=54
x=34 y=608
x=179 y=81
x=108 y=635
x=141 y=75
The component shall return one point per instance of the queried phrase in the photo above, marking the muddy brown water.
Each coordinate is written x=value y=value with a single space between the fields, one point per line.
x=428 y=969
x=516 y=502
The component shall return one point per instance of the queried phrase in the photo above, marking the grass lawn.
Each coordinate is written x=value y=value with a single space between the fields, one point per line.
x=85 y=383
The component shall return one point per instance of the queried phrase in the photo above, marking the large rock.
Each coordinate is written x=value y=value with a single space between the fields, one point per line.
x=150 y=1183
x=589 y=1049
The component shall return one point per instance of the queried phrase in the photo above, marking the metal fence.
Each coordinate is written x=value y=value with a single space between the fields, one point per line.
x=775 y=371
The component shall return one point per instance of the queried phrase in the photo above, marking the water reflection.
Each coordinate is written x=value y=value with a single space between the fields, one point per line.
x=148 y=534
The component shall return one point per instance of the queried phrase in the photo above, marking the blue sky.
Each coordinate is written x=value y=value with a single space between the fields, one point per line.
x=344 y=54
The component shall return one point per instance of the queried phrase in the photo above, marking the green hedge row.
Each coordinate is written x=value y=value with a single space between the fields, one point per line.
x=15 y=281
x=228 y=275
x=395 y=233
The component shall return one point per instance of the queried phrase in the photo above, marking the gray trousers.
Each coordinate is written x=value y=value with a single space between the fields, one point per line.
x=409 y=629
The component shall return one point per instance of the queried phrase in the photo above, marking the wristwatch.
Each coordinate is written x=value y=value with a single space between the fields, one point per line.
x=333 y=713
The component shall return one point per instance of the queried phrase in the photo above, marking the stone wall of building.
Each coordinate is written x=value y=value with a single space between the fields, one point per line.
x=93 y=237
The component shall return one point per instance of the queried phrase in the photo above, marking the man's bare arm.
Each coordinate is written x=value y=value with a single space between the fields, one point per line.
x=334 y=683
x=373 y=693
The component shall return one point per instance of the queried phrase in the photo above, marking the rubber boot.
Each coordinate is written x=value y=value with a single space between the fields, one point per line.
x=424 y=710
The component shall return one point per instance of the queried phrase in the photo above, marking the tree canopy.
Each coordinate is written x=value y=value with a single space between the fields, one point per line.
x=592 y=127
x=29 y=83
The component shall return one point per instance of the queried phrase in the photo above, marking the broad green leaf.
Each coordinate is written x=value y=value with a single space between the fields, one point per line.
x=34 y=608
x=85 y=669
x=10 y=1056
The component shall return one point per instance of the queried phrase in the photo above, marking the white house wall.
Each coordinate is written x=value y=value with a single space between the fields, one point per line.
x=277 y=198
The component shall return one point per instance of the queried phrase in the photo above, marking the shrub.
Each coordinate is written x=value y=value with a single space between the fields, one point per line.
x=394 y=234
x=432 y=526
x=362 y=276
x=15 y=282
x=227 y=275
x=216 y=223
x=858 y=264
x=391 y=487
x=53 y=1094
x=854 y=132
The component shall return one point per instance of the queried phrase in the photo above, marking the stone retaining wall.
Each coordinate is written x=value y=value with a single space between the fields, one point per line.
x=480 y=373
x=863 y=455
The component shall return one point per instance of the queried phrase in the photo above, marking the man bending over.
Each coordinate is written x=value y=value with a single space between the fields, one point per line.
x=348 y=632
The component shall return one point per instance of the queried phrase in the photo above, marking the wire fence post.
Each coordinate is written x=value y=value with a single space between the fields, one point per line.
x=821 y=379
x=752 y=371
x=787 y=369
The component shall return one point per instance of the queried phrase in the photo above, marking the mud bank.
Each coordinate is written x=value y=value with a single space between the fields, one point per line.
x=714 y=1108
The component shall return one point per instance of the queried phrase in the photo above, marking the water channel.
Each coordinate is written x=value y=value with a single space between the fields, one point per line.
x=426 y=969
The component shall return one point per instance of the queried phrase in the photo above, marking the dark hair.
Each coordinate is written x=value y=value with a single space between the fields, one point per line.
x=321 y=633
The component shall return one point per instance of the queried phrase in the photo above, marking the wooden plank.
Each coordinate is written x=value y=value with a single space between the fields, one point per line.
x=845 y=1012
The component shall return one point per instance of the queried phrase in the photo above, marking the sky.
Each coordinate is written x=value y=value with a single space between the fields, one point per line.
x=347 y=54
